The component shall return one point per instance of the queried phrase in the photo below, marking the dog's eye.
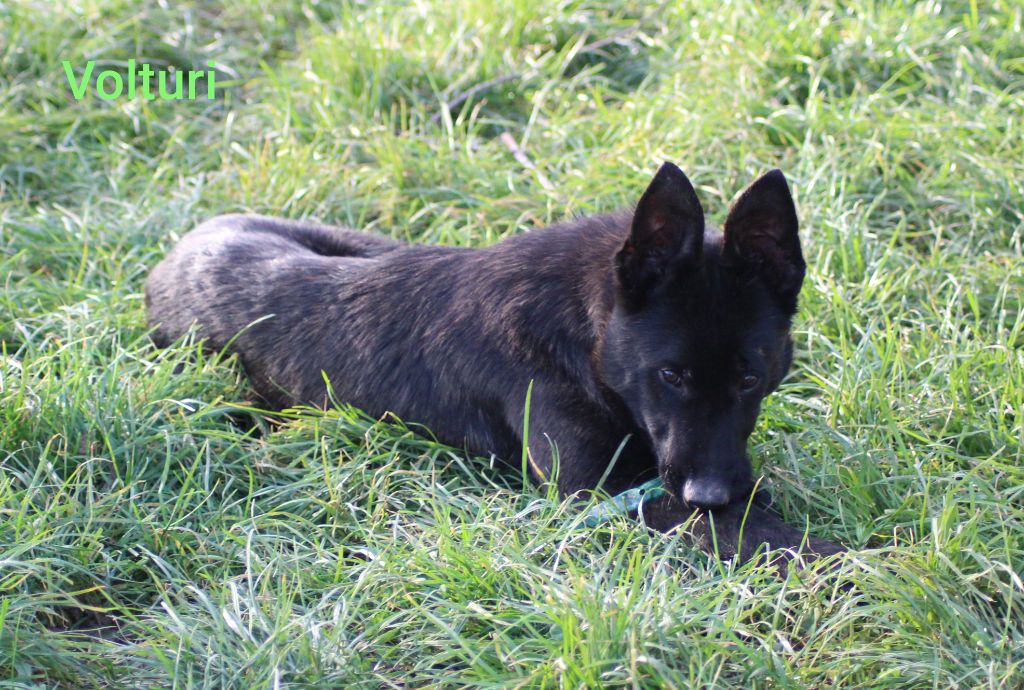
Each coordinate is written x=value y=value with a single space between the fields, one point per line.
x=671 y=377
x=750 y=381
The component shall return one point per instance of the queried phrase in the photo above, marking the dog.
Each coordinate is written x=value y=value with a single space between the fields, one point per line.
x=645 y=337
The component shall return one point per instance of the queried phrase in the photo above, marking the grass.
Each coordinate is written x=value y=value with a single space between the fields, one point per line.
x=156 y=530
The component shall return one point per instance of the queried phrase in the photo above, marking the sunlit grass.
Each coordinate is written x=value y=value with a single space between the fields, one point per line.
x=158 y=531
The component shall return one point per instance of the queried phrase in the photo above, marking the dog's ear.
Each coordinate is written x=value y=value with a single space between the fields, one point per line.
x=668 y=230
x=761 y=235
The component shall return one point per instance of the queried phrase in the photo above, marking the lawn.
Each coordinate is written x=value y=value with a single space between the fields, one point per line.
x=158 y=530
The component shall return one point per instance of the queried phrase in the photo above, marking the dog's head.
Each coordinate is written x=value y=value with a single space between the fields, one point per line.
x=699 y=333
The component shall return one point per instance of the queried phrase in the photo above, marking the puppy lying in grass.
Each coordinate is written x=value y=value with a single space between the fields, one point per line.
x=643 y=336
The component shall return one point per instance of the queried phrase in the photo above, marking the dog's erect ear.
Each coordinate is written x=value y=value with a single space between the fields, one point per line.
x=668 y=230
x=761 y=235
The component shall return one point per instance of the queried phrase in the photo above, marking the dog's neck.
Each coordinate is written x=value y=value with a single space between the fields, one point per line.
x=575 y=276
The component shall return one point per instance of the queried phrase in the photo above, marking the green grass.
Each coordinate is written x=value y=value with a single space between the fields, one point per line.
x=157 y=531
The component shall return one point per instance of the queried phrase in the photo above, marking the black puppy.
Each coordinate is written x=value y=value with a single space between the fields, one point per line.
x=641 y=325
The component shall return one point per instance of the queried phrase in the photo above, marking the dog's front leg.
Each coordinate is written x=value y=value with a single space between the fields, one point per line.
x=739 y=529
x=565 y=445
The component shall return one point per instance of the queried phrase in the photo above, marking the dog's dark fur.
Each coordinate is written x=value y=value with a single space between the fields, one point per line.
x=642 y=325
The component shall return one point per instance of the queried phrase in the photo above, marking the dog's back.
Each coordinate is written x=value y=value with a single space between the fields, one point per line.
x=218 y=277
x=442 y=336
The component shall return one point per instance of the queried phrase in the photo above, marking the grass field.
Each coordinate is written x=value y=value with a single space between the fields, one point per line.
x=156 y=530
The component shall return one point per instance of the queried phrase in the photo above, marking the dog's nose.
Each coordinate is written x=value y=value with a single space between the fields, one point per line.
x=705 y=492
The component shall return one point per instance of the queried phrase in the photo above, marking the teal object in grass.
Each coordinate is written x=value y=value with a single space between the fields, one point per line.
x=624 y=503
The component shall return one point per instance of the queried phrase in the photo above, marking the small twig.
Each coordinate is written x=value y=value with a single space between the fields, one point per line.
x=510 y=143
x=465 y=95
x=608 y=40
